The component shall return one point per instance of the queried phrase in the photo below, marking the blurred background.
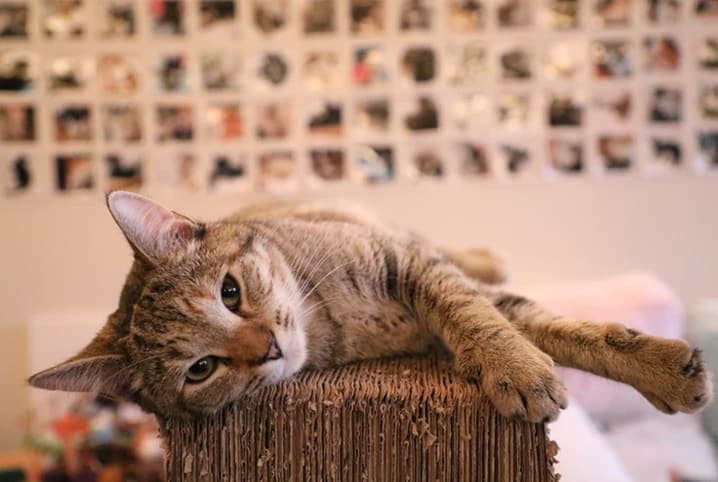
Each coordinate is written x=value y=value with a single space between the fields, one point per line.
x=579 y=138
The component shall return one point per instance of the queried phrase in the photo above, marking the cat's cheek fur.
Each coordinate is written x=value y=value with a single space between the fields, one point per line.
x=293 y=343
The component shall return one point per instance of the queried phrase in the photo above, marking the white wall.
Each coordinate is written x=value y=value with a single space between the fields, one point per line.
x=65 y=254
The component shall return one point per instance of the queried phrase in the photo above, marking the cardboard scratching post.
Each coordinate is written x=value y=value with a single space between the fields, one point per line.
x=407 y=419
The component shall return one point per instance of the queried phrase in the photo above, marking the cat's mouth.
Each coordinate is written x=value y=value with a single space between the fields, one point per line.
x=274 y=352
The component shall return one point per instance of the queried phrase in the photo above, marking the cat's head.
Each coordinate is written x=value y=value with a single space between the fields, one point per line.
x=209 y=312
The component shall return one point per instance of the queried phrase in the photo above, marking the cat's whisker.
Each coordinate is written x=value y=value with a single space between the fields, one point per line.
x=323 y=278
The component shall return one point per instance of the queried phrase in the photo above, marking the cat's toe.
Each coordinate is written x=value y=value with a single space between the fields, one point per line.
x=536 y=399
x=684 y=386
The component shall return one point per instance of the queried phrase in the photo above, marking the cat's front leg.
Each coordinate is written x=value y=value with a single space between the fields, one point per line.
x=668 y=372
x=519 y=379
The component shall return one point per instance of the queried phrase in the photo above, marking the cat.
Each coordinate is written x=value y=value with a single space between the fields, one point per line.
x=212 y=311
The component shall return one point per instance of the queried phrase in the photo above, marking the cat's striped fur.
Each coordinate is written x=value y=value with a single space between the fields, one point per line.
x=332 y=286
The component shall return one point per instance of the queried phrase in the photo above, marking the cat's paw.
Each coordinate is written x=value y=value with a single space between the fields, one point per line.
x=521 y=382
x=675 y=379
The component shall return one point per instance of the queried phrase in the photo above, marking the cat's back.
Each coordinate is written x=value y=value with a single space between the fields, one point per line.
x=309 y=211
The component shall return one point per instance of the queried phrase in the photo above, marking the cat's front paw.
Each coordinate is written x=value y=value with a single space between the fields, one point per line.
x=520 y=382
x=674 y=379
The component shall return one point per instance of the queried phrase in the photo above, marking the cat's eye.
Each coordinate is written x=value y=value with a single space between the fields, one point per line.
x=230 y=294
x=202 y=369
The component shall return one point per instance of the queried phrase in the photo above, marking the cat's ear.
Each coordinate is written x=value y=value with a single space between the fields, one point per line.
x=155 y=232
x=94 y=369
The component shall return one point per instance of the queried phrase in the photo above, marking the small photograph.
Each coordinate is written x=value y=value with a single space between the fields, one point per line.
x=224 y=122
x=662 y=54
x=123 y=171
x=273 y=120
x=73 y=123
x=564 y=14
x=228 y=172
x=324 y=118
x=174 y=123
x=13 y=20
x=318 y=16
x=367 y=16
x=707 y=53
x=74 y=172
x=615 y=151
x=708 y=102
x=515 y=62
x=565 y=60
x=15 y=173
x=665 y=154
x=422 y=115
x=416 y=14
x=565 y=156
x=470 y=112
x=217 y=17
x=612 y=59
x=706 y=9
x=465 y=15
x=612 y=106
x=515 y=13
x=466 y=63
x=221 y=71
x=708 y=149
x=666 y=104
x=427 y=163
x=663 y=12
x=171 y=72
x=17 y=122
x=321 y=70
x=516 y=158
x=63 y=19
x=16 y=71
x=327 y=164
x=271 y=70
x=565 y=109
x=177 y=170
x=122 y=123
x=374 y=164
x=277 y=171
x=474 y=161
x=418 y=64
x=513 y=110
x=611 y=13
x=69 y=74
x=370 y=66
x=270 y=16
x=371 y=116
x=118 y=74
x=167 y=17
x=118 y=19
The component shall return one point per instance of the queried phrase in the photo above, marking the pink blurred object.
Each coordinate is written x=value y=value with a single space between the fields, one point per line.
x=637 y=299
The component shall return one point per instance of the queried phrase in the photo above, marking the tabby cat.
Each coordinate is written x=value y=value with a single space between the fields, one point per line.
x=211 y=311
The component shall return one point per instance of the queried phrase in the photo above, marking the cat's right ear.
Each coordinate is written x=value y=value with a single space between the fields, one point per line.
x=94 y=369
x=155 y=232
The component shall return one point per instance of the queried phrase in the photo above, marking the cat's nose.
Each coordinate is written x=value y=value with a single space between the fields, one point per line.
x=273 y=352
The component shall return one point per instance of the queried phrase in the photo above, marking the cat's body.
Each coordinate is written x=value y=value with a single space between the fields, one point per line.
x=212 y=311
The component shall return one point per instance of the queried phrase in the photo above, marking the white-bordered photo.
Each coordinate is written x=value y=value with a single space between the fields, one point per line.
x=224 y=121
x=177 y=170
x=70 y=74
x=118 y=19
x=123 y=170
x=17 y=71
x=327 y=165
x=74 y=171
x=17 y=172
x=13 y=20
x=318 y=16
x=277 y=171
x=73 y=122
x=167 y=17
x=229 y=171
x=63 y=19
x=17 y=122
x=122 y=123
x=616 y=152
x=374 y=164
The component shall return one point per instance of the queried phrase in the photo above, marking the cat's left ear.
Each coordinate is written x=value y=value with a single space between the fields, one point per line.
x=95 y=369
x=155 y=232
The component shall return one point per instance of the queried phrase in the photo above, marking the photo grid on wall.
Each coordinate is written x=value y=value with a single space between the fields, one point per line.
x=291 y=95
